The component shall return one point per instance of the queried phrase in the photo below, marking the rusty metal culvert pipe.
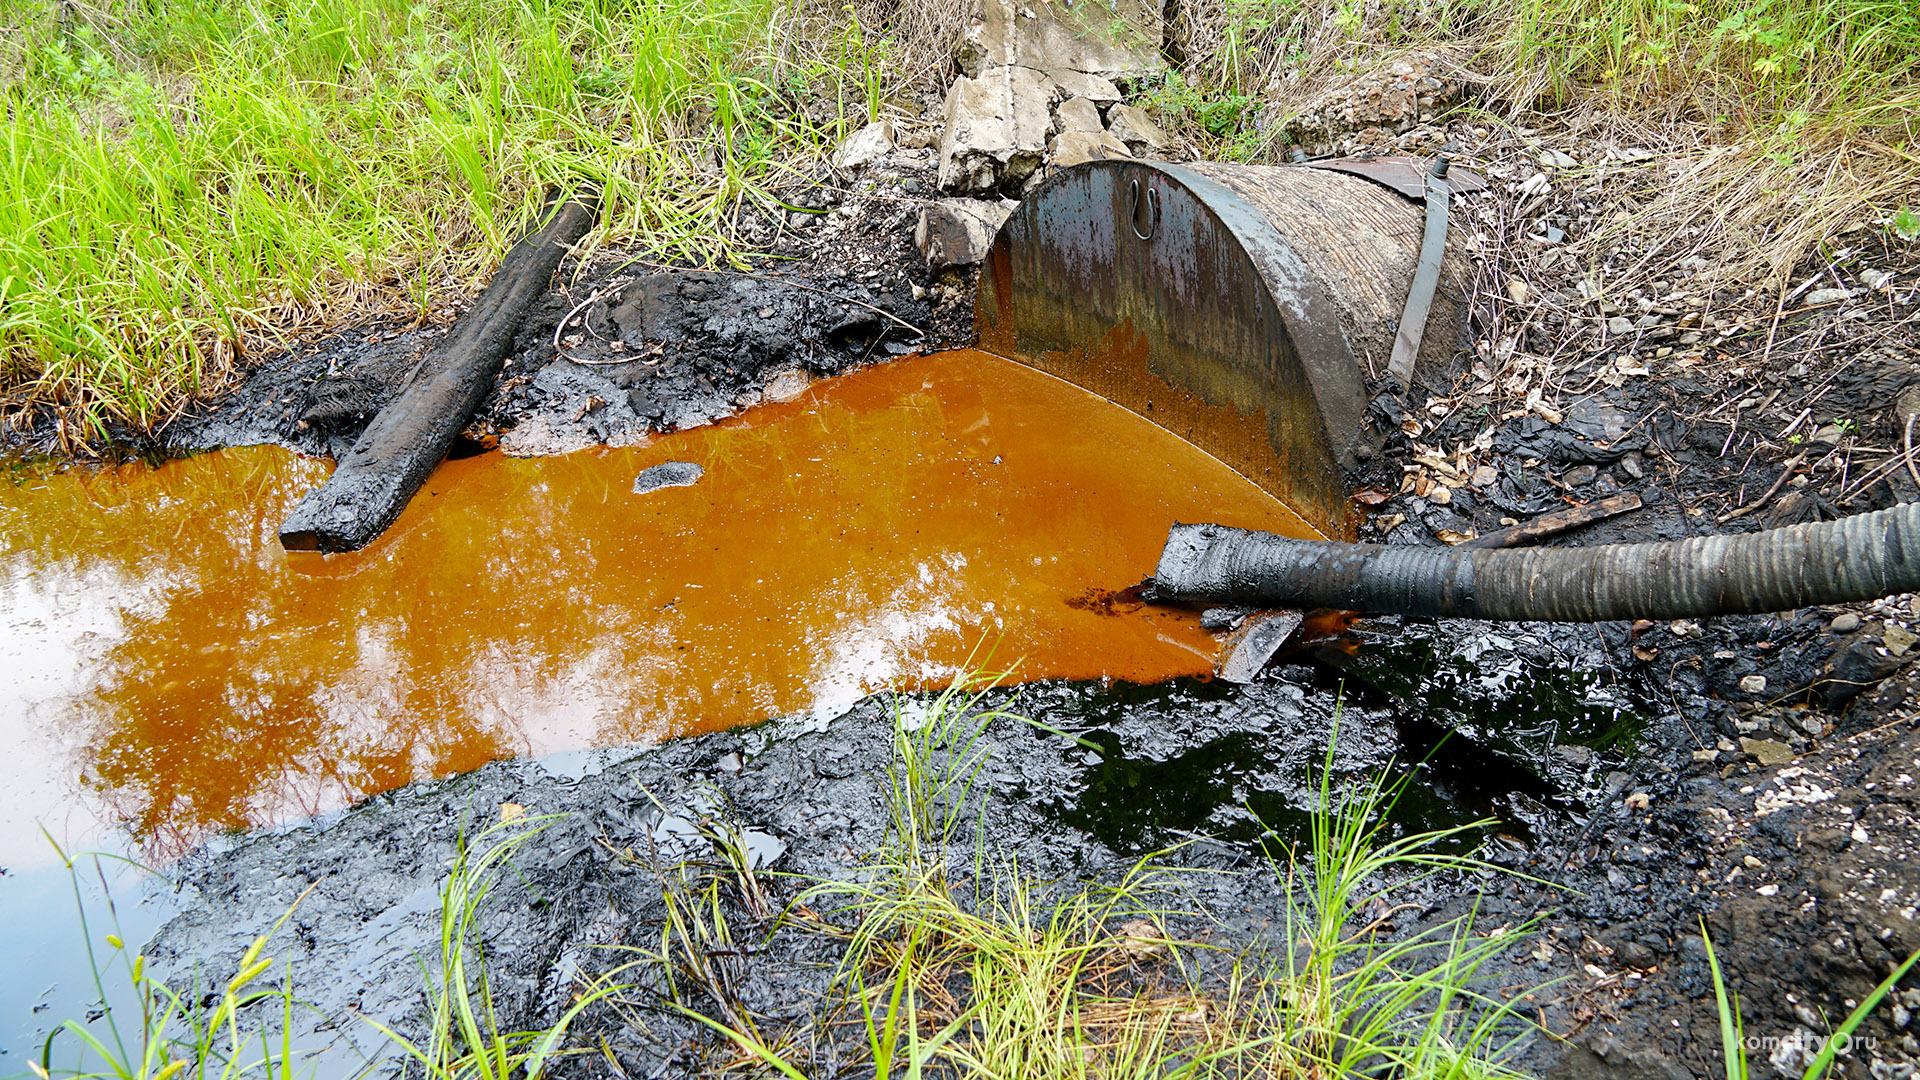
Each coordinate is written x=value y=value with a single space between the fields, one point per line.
x=1241 y=307
x=1855 y=558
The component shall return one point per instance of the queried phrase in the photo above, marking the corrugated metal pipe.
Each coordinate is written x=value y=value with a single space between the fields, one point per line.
x=1856 y=558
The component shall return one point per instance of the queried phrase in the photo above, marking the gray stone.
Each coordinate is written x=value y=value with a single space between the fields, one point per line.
x=1767 y=752
x=1619 y=326
x=1554 y=159
x=668 y=474
x=1078 y=114
x=1826 y=296
x=1844 y=623
x=1081 y=84
x=864 y=147
x=1134 y=127
x=1581 y=475
x=1075 y=147
x=996 y=130
x=957 y=232
x=1111 y=37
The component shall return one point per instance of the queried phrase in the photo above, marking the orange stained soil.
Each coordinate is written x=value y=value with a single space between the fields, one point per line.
x=169 y=665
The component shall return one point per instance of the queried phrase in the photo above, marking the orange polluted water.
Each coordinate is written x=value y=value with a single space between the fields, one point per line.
x=186 y=674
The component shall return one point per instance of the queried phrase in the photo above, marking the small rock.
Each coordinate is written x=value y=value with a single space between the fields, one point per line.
x=1537 y=184
x=668 y=474
x=1077 y=114
x=1844 y=623
x=1635 y=955
x=1766 y=752
x=730 y=762
x=1581 y=475
x=1898 y=640
x=1070 y=148
x=1877 y=280
x=1826 y=296
x=864 y=147
x=1619 y=326
x=1224 y=618
x=1753 y=684
x=1705 y=755
x=1554 y=159
x=958 y=232
x=1132 y=125
x=1555 y=235
x=1632 y=464
x=1080 y=84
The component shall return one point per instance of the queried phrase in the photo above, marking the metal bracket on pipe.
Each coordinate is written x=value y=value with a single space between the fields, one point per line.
x=1426 y=278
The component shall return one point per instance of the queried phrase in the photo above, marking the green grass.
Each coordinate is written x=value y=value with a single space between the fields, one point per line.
x=979 y=970
x=185 y=181
x=244 y=1029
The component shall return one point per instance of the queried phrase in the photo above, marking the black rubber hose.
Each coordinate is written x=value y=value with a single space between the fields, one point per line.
x=1829 y=562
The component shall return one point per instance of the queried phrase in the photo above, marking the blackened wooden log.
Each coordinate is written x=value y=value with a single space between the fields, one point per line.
x=1830 y=562
x=411 y=435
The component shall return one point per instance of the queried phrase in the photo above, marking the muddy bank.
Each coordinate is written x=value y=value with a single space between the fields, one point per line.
x=623 y=348
x=1177 y=764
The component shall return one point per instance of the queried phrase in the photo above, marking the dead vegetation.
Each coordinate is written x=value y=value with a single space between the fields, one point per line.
x=1746 y=132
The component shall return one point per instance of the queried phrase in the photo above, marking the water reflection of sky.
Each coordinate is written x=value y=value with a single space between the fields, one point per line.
x=170 y=671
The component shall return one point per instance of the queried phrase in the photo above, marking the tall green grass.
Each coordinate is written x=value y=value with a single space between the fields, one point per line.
x=180 y=182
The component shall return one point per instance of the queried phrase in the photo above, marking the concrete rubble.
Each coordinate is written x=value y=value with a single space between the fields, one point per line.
x=1040 y=83
x=955 y=233
x=864 y=147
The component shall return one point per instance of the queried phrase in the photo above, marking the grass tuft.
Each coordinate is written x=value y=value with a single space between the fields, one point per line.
x=976 y=969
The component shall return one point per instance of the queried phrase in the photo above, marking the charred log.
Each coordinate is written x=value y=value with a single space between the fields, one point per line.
x=411 y=435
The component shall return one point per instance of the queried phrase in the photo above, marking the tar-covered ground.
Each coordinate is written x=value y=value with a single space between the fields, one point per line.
x=1757 y=774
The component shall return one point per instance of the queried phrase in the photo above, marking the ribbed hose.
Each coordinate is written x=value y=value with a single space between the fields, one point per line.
x=1856 y=558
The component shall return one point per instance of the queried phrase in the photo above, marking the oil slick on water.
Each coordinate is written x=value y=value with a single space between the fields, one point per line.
x=174 y=672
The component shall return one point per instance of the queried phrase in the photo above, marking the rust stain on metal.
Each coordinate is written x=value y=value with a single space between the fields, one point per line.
x=1235 y=306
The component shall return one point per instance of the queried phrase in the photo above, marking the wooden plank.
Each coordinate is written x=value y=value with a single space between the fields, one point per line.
x=411 y=435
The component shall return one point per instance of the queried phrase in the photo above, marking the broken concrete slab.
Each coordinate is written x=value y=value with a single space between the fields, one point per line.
x=954 y=233
x=996 y=130
x=1078 y=114
x=1131 y=125
x=1106 y=37
x=864 y=147
x=1071 y=148
x=1080 y=84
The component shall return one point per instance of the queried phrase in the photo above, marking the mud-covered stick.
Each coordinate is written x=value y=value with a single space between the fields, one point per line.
x=400 y=448
x=1557 y=522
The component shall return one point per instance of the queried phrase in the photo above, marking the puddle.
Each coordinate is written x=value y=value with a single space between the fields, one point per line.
x=174 y=672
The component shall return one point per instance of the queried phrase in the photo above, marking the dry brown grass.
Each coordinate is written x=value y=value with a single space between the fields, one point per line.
x=1770 y=134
